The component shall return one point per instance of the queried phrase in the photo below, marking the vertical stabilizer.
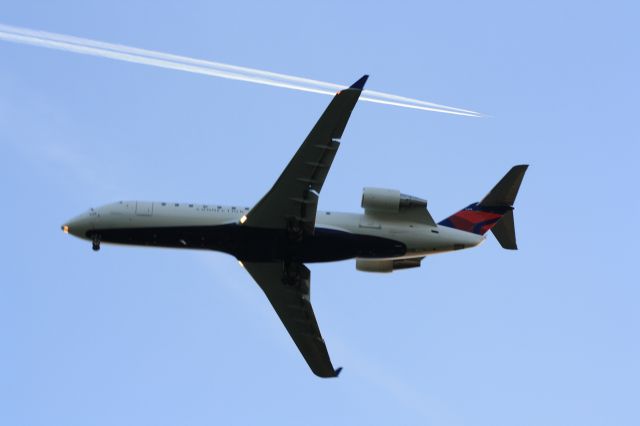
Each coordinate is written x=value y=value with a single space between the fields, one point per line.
x=494 y=212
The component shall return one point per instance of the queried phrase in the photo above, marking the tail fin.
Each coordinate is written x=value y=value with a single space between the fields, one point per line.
x=494 y=212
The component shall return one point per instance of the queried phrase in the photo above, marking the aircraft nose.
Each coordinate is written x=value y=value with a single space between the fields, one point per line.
x=78 y=226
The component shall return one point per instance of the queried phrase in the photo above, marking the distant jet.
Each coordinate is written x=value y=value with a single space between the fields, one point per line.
x=283 y=231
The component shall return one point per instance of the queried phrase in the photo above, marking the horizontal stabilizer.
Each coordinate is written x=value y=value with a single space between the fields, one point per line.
x=505 y=231
x=505 y=191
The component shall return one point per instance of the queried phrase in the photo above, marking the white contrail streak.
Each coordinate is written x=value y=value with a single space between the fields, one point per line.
x=200 y=66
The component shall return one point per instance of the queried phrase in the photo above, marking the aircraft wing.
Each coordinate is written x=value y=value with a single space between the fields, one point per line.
x=287 y=286
x=293 y=200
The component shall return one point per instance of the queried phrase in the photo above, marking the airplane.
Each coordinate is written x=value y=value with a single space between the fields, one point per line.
x=275 y=238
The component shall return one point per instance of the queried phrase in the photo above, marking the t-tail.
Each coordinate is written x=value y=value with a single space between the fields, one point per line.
x=494 y=212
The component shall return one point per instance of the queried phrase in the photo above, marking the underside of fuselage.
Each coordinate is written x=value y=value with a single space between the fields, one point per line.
x=257 y=244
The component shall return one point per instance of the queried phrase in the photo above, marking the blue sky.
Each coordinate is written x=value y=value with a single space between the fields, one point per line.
x=545 y=335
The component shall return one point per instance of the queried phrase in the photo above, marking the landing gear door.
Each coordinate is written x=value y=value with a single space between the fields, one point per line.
x=144 y=208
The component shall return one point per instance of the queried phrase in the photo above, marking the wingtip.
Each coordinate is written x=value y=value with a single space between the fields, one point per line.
x=360 y=83
x=339 y=369
x=520 y=168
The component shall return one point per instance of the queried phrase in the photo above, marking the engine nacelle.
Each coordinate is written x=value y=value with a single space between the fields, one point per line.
x=389 y=201
x=382 y=200
x=369 y=265
x=384 y=265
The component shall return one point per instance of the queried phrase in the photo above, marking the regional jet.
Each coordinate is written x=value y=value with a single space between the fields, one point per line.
x=283 y=231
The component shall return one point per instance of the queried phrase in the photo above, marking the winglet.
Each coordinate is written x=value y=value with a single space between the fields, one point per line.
x=339 y=369
x=360 y=83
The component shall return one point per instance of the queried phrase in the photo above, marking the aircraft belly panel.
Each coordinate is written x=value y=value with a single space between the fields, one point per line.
x=258 y=244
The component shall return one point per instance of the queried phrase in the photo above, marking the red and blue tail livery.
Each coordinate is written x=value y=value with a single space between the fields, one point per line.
x=475 y=218
x=494 y=212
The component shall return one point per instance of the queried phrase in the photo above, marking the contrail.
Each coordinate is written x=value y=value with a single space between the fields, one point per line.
x=199 y=66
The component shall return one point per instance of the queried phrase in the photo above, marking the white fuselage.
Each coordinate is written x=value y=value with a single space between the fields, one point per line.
x=190 y=226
